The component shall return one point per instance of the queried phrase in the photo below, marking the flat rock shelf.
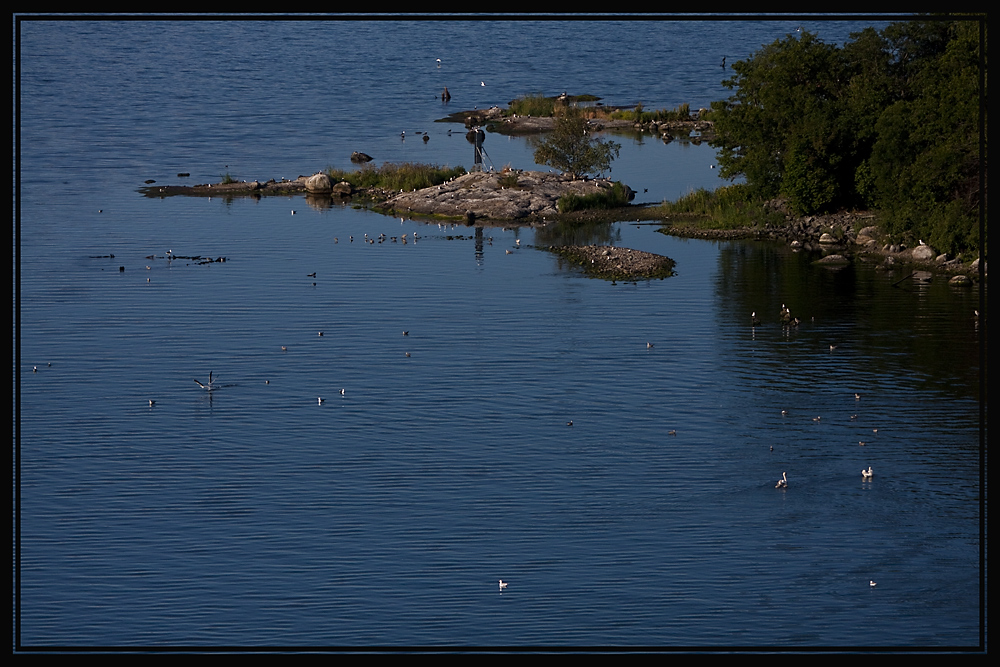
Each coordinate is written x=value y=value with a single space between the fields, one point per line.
x=613 y=263
x=509 y=195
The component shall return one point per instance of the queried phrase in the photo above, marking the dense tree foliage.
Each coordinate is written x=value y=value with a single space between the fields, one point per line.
x=571 y=149
x=889 y=121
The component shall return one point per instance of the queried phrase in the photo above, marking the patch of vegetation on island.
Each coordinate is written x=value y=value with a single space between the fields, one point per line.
x=727 y=207
x=681 y=112
x=539 y=106
x=610 y=198
x=395 y=177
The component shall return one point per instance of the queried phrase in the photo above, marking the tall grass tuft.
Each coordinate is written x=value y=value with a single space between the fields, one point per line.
x=639 y=115
x=613 y=197
x=727 y=207
x=536 y=105
x=396 y=176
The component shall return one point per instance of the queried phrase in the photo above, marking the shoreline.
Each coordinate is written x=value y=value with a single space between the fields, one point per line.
x=842 y=238
x=477 y=198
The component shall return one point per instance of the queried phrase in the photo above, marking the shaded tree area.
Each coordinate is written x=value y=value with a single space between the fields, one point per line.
x=890 y=121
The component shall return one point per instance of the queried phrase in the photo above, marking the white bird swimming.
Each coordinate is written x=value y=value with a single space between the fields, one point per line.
x=211 y=386
x=872 y=583
x=319 y=400
x=782 y=483
x=503 y=584
x=867 y=474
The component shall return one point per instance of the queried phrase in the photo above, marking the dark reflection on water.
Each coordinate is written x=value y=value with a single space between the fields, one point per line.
x=878 y=318
x=570 y=233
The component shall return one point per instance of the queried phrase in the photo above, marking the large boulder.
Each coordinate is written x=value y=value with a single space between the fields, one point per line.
x=924 y=253
x=318 y=184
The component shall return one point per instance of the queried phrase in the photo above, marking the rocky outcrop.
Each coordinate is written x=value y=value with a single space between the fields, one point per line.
x=242 y=188
x=319 y=184
x=923 y=253
x=361 y=157
x=510 y=195
x=613 y=263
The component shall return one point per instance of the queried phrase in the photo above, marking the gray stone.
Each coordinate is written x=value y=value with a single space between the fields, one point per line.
x=535 y=195
x=318 y=184
x=924 y=253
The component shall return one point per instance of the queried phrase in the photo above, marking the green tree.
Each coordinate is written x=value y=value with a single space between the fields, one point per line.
x=785 y=113
x=570 y=148
x=925 y=163
x=890 y=121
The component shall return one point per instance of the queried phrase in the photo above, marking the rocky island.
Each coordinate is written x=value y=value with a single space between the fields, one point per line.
x=526 y=196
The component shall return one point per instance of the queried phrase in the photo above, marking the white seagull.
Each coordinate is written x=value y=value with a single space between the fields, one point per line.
x=503 y=584
x=211 y=386
x=872 y=583
x=867 y=474
x=782 y=483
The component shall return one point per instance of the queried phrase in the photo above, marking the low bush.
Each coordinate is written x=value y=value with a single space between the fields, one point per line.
x=614 y=197
x=681 y=112
x=396 y=176
x=728 y=207
x=536 y=105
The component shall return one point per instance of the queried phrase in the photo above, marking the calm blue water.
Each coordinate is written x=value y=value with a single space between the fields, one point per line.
x=256 y=515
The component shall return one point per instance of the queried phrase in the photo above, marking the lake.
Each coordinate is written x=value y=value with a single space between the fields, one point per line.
x=390 y=438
